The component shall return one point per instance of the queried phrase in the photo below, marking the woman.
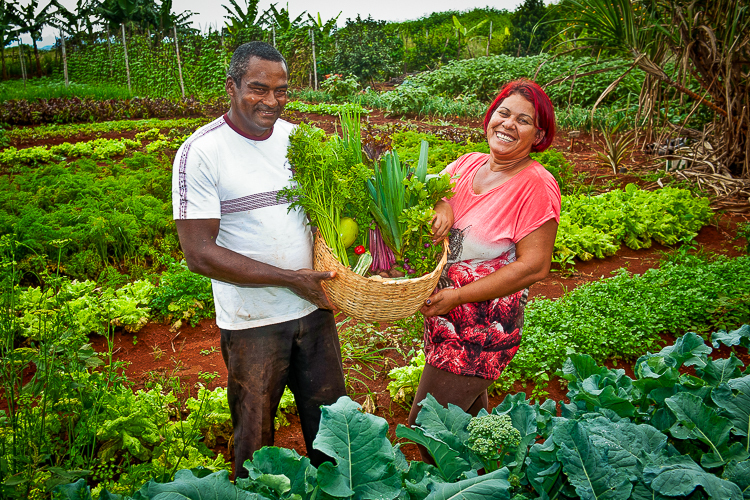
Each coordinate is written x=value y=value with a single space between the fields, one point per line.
x=503 y=221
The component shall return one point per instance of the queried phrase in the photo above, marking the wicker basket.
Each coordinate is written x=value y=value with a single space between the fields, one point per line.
x=371 y=299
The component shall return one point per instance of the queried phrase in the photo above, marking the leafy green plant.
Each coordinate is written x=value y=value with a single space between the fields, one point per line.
x=24 y=134
x=327 y=109
x=405 y=379
x=340 y=86
x=182 y=296
x=402 y=204
x=108 y=214
x=69 y=110
x=743 y=231
x=621 y=317
x=594 y=226
x=615 y=318
x=661 y=433
x=330 y=175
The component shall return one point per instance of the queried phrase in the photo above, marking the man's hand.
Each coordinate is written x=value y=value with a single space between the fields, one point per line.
x=204 y=256
x=307 y=285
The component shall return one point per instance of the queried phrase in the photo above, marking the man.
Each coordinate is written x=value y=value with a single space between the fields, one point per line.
x=276 y=325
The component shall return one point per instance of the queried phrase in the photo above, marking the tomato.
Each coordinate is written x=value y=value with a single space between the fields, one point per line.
x=359 y=250
x=348 y=230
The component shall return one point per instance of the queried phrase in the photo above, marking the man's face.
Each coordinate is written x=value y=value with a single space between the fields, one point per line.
x=259 y=99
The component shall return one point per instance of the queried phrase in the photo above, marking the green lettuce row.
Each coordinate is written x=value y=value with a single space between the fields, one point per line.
x=95 y=149
x=85 y=307
x=595 y=226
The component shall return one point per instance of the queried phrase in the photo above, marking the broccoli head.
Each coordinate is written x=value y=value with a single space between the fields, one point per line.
x=491 y=437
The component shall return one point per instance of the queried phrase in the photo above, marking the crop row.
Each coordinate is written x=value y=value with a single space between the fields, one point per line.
x=95 y=149
x=69 y=110
x=660 y=434
x=617 y=318
x=19 y=135
x=115 y=213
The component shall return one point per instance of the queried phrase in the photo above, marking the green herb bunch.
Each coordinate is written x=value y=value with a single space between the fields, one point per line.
x=403 y=201
x=420 y=255
x=330 y=179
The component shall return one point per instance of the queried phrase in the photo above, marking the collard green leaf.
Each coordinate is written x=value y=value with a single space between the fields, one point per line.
x=188 y=487
x=580 y=367
x=687 y=350
x=447 y=424
x=449 y=461
x=399 y=460
x=492 y=486
x=272 y=461
x=78 y=490
x=608 y=397
x=736 y=404
x=740 y=336
x=598 y=387
x=679 y=476
x=627 y=444
x=696 y=420
x=642 y=491
x=739 y=474
x=364 y=456
x=419 y=478
x=543 y=470
x=720 y=370
x=587 y=466
x=652 y=373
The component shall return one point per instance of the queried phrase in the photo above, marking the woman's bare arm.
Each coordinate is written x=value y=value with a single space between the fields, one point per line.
x=533 y=261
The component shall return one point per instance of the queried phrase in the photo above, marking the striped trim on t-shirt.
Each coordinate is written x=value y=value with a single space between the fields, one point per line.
x=183 y=163
x=251 y=202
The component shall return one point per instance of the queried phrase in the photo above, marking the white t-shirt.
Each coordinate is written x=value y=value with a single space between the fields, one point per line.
x=220 y=173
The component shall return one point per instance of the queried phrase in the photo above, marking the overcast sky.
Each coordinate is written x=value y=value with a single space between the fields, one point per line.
x=211 y=12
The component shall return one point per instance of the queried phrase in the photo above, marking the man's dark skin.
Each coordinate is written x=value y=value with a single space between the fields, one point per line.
x=256 y=104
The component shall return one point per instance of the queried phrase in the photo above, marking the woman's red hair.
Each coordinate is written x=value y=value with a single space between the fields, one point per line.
x=545 y=112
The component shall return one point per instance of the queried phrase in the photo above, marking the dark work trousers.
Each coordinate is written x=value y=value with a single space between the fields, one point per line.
x=469 y=393
x=304 y=354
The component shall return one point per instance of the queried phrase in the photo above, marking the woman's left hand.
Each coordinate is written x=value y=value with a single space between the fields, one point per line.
x=441 y=302
x=442 y=221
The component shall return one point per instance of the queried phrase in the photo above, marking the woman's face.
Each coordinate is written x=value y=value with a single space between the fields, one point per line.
x=511 y=131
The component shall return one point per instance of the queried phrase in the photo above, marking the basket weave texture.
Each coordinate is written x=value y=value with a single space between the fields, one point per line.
x=373 y=300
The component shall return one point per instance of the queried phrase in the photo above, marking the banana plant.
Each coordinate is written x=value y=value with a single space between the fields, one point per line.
x=465 y=31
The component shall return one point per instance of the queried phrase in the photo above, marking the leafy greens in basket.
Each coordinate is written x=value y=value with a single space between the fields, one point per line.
x=335 y=180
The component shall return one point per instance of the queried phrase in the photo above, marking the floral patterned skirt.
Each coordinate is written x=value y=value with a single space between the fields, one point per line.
x=476 y=339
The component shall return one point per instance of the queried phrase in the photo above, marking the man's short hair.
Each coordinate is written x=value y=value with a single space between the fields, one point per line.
x=243 y=53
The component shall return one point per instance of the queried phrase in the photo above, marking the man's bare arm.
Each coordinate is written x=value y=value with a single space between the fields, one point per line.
x=204 y=256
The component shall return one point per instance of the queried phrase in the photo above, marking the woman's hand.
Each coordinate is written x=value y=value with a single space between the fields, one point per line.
x=441 y=302
x=442 y=221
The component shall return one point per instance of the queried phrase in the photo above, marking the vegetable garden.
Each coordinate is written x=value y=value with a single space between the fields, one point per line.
x=633 y=376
